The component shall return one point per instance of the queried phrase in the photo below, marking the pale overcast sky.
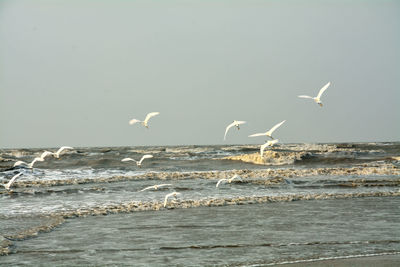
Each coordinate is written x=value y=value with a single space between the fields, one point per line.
x=75 y=72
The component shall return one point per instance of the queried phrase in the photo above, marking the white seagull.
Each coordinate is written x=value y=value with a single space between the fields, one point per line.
x=268 y=143
x=57 y=154
x=138 y=163
x=146 y=120
x=10 y=183
x=29 y=165
x=317 y=99
x=155 y=187
x=45 y=154
x=268 y=133
x=228 y=180
x=173 y=194
x=234 y=123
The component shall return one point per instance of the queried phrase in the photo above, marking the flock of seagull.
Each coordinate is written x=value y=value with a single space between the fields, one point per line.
x=145 y=122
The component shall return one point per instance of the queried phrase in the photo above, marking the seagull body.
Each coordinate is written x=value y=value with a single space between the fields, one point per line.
x=57 y=154
x=9 y=184
x=146 y=120
x=155 y=187
x=317 y=99
x=234 y=123
x=269 y=132
x=138 y=163
x=173 y=194
x=227 y=180
x=267 y=144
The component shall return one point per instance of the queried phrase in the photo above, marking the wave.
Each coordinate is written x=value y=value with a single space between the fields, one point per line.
x=133 y=206
x=75 y=177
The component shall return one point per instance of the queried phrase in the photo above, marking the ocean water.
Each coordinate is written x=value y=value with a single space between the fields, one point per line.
x=301 y=202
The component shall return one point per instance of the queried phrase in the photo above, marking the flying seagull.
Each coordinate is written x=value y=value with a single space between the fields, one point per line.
x=234 y=123
x=29 y=165
x=173 y=194
x=10 y=183
x=268 y=133
x=268 y=143
x=146 y=120
x=61 y=149
x=138 y=163
x=155 y=187
x=227 y=180
x=45 y=154
x=317 y=99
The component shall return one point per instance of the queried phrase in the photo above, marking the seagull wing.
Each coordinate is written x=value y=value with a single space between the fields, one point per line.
x=257 y=134
x=62 y=148
x=236 y=176
x=275 y=127
x=20 y=162
x=170 y=195
x=160 y=185
x=128 y=159
x=220 y=181
x=145 y=157
x=228 y=127
x=166 y=199
x=8 y=185
x=262 y=148
x=151 y=114
x=45 y=154
x=147 y=188
x=323 y=90
x=305 y=96
x=30 y=165
x=133 y=121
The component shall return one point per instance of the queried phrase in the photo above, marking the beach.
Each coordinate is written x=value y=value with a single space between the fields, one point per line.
x=300 y=205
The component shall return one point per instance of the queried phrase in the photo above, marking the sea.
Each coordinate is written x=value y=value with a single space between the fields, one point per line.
x=298 y=203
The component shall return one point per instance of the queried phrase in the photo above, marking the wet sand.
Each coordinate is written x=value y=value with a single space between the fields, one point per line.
x=371 y=261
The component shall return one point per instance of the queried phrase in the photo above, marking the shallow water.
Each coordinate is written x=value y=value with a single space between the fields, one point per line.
x=302 y=201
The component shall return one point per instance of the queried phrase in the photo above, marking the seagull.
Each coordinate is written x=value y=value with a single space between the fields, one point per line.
x=30 y=165
x=227 y=180
x=146 y=120
x=57 y=154
x=9 y=184
x=317 y=99
x=138 y=163
x=173 y=194
x=268 y=143
x=45 y=154
x=234 y=123
x=155 y=187
x=268 y=133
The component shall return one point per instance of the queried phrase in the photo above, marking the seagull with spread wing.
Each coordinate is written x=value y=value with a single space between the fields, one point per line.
x=138 y=163
x=236 y=176
x=267 y=144
x=61 y=149
x=234 y=123
x=10 y=183
x=173 y=194
x=155 y=187
x=269 y=132
x=317 y=99
x=146 y=120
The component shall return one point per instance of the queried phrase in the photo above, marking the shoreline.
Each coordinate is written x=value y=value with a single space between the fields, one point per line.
x=382 y=260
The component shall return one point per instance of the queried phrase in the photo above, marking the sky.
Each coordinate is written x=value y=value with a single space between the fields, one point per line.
x=75 y=72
